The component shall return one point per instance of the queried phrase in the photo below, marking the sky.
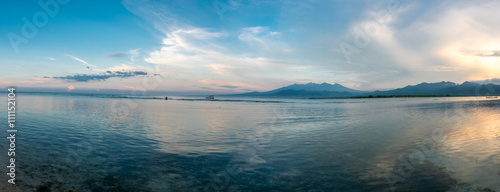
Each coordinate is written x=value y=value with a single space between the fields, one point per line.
x=235 y=46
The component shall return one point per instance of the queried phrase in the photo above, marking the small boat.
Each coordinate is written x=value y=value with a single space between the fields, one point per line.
x=491 y=97
x=210 y=97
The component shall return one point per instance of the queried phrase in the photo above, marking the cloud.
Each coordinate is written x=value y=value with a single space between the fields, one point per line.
x=397 y=43
x=71 y=88
x=132 y=54
x=87 y=65
x=122 y=67
x=217 y=84
x=256 y=35
x=186 y=48
x=201 y=54
x=489 y=54
x=134 y=88
x=117 y=54
x=488 y=81
x=35 y=81
x=263 y=56
x=442 y=68
x=229 y=86
x=100 y=76
x=452 y=41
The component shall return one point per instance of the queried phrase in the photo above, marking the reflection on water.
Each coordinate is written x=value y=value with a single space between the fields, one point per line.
x=471 y=151
x=83 y=143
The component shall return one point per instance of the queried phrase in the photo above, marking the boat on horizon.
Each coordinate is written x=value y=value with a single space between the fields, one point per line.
x=210 y=97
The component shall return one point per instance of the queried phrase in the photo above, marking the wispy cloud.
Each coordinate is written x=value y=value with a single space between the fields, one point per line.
x=87 y=65
x=132 y=54
x=229 y=86
x=117 y=54
x=492 y=81
x=202 y=54
x=495 y=53
x=256 y=35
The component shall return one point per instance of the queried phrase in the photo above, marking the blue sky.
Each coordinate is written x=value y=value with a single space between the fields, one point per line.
x=230 y=46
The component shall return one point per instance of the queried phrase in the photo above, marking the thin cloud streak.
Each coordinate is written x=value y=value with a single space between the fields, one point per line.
x=82 y=61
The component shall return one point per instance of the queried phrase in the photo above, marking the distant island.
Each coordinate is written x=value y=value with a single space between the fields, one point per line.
x=326 y=90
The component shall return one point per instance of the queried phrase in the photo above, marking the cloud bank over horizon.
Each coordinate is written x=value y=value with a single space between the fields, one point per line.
x=101 y=76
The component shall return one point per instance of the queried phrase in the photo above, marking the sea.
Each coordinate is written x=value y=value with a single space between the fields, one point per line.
x=98 y=142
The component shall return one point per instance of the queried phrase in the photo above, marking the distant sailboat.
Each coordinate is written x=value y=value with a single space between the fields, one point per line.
x=210 y=97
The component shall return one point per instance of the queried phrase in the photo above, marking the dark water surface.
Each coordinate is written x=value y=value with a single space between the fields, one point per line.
x=89 y=143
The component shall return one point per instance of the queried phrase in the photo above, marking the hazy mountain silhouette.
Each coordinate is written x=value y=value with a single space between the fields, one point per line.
x=309 y=90
x=472 y=89
x=316 y=87
x=422 y=88
x=444 y=88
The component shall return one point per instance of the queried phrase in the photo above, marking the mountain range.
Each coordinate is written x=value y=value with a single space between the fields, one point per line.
x=326 y=90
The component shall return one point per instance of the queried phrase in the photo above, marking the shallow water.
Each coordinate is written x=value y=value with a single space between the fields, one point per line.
x=95 y=143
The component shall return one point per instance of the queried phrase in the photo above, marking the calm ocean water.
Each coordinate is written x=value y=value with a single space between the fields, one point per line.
x=99 y=143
